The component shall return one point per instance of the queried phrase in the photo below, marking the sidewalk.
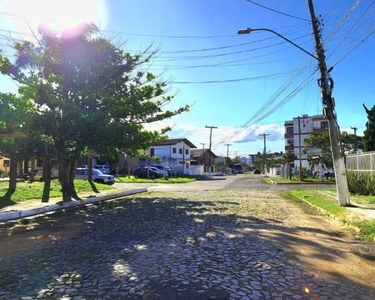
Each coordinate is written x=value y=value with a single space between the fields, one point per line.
x=32 y=208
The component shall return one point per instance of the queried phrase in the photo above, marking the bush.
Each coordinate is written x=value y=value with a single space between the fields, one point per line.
x=3 y=174
x=361 y=183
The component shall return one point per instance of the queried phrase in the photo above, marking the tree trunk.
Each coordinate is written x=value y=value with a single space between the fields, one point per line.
x=13 y=173
x=46 y=178
x=67 y=169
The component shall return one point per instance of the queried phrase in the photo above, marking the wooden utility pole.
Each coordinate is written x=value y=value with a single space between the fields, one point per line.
x=326 y=85
x=264 y=152
x=209 y=154
x=204 y=158
x=227 y=164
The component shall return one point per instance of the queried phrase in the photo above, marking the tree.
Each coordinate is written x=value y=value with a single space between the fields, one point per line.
x=89 y=94
x=320 y=140
x=369 y=133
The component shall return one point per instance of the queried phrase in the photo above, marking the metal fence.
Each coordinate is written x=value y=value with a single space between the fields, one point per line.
x=364 y=162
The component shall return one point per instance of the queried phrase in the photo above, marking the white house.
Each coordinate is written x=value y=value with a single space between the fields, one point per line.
x=174 y=153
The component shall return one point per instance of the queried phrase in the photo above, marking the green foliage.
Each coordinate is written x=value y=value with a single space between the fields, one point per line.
x=369 y=133
x=87 y=93
x=367 y=229
x=361 y=183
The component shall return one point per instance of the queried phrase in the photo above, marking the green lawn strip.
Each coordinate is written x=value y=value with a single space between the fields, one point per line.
x=28 y=191
x=367 y=228
x=296 y=180
x=132 y=179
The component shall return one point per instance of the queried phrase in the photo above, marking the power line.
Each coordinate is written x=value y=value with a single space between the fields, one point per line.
x=277 y=11
x=173 y=58
x=231 y=80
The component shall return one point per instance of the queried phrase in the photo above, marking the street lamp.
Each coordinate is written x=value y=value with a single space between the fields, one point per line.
x=248 y=30
x=326 y=85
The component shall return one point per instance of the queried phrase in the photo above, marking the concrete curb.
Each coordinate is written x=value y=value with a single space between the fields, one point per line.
x=19 y=214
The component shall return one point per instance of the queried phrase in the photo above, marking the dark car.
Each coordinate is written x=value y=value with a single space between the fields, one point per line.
x=146 y=172
x=166 y=169
x=237 y=168
x=256 y=171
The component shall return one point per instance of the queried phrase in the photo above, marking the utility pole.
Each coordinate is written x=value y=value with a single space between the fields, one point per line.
x=326 y=85
x=228 y=153
x=355 y=130
x=204 y=160
x=300 y=150
x=209 y=154
x=264 y=152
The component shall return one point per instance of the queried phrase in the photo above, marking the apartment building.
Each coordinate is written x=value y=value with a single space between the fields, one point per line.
x=297 y=130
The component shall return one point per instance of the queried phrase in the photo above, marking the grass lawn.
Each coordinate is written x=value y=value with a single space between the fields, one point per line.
x=306 y=180
x=132 y=179
x=28 y=191
x=367 y=227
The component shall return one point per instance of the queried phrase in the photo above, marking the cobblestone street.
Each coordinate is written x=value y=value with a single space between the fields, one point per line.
x=225 y=244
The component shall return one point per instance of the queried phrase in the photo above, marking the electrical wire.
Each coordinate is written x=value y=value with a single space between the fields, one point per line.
x=233 y=80
x=277 y=11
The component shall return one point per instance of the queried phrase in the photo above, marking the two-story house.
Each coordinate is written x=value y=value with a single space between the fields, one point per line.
x=297 y=130
x=174 y=153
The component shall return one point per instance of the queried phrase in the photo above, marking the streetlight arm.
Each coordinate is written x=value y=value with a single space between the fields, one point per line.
x=248 y=30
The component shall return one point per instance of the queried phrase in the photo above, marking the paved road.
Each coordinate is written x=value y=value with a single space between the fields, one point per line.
x=222 y=239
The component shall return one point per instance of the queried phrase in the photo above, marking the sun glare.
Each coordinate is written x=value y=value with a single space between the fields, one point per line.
x=60 y=15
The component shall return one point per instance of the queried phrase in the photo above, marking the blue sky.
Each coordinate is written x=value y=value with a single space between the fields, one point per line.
x=270 y=81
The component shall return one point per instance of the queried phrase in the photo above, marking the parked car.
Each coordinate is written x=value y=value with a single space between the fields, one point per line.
x=168 y=170
x=97 y=176
x=256 y=171
x=103 y=168
x=146 y=172
x=237 y=168
x=38 y=176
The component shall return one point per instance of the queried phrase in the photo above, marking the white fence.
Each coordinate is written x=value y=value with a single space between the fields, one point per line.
x=364 y=162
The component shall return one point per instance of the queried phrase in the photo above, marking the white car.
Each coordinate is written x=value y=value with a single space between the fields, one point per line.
x=103 y=168
x=97 y=176
x=163 y=173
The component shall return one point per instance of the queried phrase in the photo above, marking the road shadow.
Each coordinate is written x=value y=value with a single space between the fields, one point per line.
x=174 y=248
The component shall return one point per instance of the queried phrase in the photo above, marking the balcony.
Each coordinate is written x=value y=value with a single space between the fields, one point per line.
x=289 y=135
x=319 y=130
x=289 y=148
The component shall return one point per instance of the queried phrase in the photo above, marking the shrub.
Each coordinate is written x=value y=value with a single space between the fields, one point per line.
x=361 y=183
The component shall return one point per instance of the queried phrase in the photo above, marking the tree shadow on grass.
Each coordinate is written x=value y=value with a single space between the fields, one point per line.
x=176 y=248
x=6 y=200
x=93 y=187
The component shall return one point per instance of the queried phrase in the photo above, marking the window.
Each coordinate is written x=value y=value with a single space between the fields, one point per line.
x=39 y=162
x=180 y=151
x=152 y=151
x=174 y=150
x=187 y=166
x=6 y=163
x=289 y=130
x=187 y=151
x=324 y=125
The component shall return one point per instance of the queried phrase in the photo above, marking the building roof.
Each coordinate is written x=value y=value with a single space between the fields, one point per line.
x=199 y=152
x=174 y=142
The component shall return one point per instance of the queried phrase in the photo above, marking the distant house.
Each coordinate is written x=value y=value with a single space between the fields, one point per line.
x=173 y=153
x=203 y=157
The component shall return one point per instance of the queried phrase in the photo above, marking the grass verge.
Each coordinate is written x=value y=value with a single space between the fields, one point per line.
x=132 y=179
x=319 y=202
x=26 y=191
